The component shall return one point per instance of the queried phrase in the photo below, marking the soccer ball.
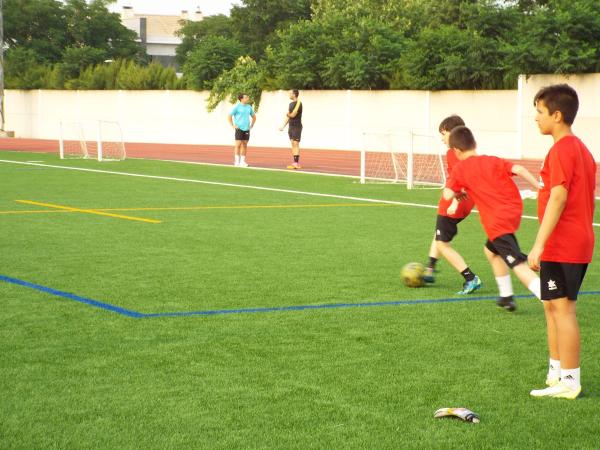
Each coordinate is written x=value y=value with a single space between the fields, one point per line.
x=412 y=275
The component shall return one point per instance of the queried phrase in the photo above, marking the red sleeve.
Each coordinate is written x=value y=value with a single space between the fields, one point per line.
x=508 y=166
x=561 y=169
x=451 y=161
x=454 y=182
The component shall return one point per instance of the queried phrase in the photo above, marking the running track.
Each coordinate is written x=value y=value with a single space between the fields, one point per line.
x=337 y=162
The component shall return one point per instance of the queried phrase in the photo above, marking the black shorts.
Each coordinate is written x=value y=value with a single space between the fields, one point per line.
x=561 y=279
x=295 y=132
x=508 y=248
x=446 y=228
x=241 y=135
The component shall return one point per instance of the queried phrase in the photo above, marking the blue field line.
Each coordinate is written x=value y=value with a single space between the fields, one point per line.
x=215 y=312
x=77 y=298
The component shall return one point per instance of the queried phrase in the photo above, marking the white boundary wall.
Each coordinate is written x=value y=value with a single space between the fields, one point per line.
x=503 y=121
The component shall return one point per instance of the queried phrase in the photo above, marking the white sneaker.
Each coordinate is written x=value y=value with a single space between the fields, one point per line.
x=552 y=381
x=559 y=390
x=236 y=164
x=243 y=164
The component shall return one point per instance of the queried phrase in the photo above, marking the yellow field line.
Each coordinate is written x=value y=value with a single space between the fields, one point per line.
x=87 y=211
x=194 y=208
x=38 y=211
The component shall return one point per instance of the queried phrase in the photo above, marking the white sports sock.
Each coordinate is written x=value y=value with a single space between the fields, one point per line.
x=554 y=368
x=242 y=158
x=535 y=288
x=237 y=160
x=504 y=286
x=570 y=377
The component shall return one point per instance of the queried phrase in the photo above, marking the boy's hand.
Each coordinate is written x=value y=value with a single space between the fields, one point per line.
x=534 y=257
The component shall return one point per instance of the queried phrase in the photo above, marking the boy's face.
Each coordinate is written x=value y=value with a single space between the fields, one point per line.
x=291 y=95
x=245 y=99
x=445 y=137
x=546 y=121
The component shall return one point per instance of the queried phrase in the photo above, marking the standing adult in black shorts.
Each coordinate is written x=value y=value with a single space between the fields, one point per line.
x=294 y=121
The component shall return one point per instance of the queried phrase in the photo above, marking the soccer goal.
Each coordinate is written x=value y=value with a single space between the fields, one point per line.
x=101 y=140
x=414 y=158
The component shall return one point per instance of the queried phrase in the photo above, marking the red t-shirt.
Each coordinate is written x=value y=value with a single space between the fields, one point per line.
x=488 y=181
x=569 y=163
x=464 y=206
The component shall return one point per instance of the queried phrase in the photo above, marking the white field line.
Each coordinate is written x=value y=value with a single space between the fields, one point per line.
x=241 y=186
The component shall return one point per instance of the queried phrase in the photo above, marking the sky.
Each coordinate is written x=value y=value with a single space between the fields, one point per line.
x=174 y=7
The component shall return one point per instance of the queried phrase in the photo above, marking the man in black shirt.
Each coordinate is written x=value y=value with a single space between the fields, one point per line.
x=294 y=120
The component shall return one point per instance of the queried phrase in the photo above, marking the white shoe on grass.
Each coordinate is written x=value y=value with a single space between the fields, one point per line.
x=243 y=164
x=559 y=390
x=552 y=381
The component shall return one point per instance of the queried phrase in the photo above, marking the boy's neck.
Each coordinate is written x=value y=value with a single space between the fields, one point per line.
x=467 y=154
x=560 y=131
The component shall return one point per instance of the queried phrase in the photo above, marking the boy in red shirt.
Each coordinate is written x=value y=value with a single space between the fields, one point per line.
x=565 y=241
x=450 y=214
x=488 y=181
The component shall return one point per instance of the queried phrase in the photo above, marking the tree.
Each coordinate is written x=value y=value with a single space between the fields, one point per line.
x=335 y=52
x=257 y=20
x=560 y=36
x=192 y=33
x=48 y=27
x=91 y=24
x=246 y=76
x=210 y=57
x=450 y=58
x=36 y=25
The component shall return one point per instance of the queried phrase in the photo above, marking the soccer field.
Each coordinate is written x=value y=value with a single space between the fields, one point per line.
x=149 y=304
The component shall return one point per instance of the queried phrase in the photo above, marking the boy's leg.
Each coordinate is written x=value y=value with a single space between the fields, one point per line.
x=553 y=375
x=452 y=256
x=446 y=229
x=236 y=152
x=434 y=255
x=561 y=283
x=507 y=247
x=502 y=276
x=528 y=277
x=243 y=150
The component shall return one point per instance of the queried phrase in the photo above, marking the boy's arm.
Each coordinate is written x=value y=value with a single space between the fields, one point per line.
x=294 y=113
x=253 y=120
x=448 y=194
x=230 y=120
x=555 y=207
x=453 y=206
x=525 y=174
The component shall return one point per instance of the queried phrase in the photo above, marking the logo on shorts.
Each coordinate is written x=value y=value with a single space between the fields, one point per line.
x=510 y=259
x=552 y=285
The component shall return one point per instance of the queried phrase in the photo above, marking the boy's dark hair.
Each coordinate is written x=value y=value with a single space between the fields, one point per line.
x=450 y=123
x=296 y=92
x=241 y=96
x=559 y=97
x=462 y=139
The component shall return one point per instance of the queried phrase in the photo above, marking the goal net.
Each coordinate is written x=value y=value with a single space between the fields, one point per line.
x=415 y=159
x=101 y=140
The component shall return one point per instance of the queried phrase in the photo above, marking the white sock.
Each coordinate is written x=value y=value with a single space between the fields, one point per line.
x=242 y=158
x=535 y=288
x=570 y=377
x=554 y=368
x=237 y=160
x=504 y=285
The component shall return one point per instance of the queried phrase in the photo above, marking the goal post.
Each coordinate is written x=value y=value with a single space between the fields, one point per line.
x=101 y=140
x=411 y=157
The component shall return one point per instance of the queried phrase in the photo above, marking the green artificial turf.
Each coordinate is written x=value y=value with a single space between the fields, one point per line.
x=77 y=376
